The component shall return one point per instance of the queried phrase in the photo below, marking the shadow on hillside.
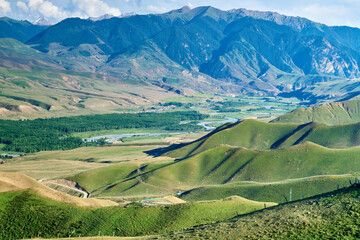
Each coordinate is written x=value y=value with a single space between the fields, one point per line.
x=160 y=151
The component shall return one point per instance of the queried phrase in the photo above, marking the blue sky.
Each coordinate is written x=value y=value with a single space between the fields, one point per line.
x=331 y=12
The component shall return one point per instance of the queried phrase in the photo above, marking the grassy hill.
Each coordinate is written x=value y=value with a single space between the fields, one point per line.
x=26 y=215
x=10 y=182
x=224 y=171
x=257 y=135
x=329 y=113
x=272 y=191
x=329 y=216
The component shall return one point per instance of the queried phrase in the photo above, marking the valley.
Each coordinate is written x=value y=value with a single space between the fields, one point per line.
x=198 y=123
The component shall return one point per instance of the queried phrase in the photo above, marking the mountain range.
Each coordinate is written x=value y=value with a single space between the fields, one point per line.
x=207 y=50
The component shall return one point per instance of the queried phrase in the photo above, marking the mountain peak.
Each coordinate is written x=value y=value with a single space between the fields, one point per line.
x=42 y=22
x=184 y=9
x=103 y=17
x=295 y=22
x=109 y=16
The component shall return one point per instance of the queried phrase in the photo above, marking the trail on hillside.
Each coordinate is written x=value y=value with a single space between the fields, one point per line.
x=85 y=194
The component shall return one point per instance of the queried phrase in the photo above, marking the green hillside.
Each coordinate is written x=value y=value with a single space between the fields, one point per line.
x=25 y=215
x=330 y=216
x=224 y=171
x=329 y=113
x=257 y=135
x=251 y=134
x=273 y=191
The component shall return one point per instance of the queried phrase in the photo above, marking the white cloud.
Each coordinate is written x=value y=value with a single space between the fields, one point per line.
x=34 y=4
x=48 y=9
x=23 y=6
x=5 y=6
x=96 y=8
x=42 y=8
x=156 y=9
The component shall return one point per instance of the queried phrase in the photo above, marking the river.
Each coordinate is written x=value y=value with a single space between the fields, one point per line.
x=115 y=138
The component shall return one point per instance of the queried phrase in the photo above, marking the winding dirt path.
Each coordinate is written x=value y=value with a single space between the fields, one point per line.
x=85 y=194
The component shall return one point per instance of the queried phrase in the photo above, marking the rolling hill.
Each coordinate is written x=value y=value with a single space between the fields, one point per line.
x=25 y=215
x=225 y=171
x=257 y=135
x=331 y=215
x=329 y=113
x=15 y=182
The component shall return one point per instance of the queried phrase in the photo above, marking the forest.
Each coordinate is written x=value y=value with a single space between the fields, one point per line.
x=55 y=134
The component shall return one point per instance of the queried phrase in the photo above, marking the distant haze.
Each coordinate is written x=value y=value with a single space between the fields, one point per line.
x=331 y=12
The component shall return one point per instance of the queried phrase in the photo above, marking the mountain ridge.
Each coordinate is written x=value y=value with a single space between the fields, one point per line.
x=238 y=51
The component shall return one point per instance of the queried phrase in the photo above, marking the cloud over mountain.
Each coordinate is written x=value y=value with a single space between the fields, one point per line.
x=95 y=8
x=4 y=6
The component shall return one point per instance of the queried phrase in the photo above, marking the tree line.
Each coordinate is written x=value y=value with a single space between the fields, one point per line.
x=55 y=133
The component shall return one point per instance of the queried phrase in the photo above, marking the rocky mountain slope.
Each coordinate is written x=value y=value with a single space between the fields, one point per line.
x=210 y=50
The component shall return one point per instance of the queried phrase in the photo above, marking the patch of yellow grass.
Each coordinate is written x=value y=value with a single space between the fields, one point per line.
x=248 y=201
x=19 y=182
x=47 y=168
x=174 y=200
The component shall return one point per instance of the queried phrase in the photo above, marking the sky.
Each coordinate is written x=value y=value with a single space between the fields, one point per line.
x=330 y=12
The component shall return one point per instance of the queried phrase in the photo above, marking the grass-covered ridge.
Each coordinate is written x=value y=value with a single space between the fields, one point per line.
x=257 y=135
x=307 y=168
x=25 y=215
x=329 y=113
x=333 y=215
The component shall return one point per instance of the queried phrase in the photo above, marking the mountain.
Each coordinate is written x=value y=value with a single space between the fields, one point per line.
x=109 y=16
x=42 y=22
x=30 y=78
x=103 y=17
x=329 y=113
x=236 y=51
x=19 y=30
x=207 y=50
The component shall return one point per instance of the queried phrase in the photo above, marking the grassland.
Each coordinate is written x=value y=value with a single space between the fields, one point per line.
x=46 y=218
x=329 y=113
x=58 y=164
x=257 y=135
x=118 y=132
x=222 y=106
x=252 y=159
x=10 y=182
x=125 y=171
x=329 y=216
x=224 y=171
x=272 y=191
